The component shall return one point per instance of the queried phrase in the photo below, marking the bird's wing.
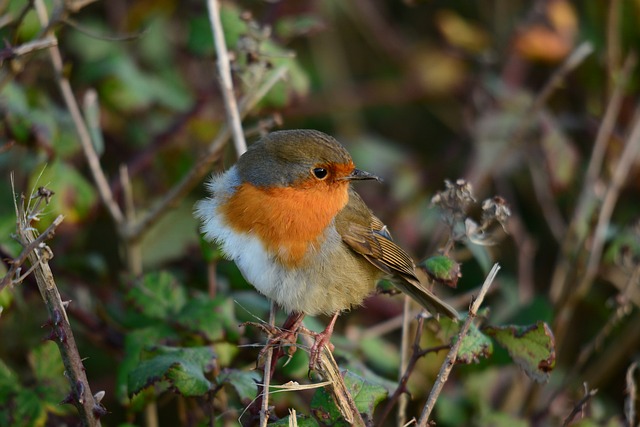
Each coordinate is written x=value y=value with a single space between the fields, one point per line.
x=368 y=236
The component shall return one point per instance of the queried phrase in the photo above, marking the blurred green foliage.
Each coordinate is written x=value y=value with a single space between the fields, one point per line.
x=419 y=91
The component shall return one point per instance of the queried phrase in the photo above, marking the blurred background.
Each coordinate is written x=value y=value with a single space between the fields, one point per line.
x=532 y=101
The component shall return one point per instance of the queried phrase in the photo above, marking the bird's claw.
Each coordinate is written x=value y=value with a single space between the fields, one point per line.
x=278 y=340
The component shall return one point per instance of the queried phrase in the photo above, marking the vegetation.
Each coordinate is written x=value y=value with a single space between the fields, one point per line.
x=113 y=309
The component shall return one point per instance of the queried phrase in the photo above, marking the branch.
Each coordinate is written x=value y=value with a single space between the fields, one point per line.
x=264 y=409
x=416 y=355
x=226 y=83
x=329 y=370
x=447 y=366
x=11 y=52
x=17 y=263
x=88 y=405
x=588 y=394
x=81 y=127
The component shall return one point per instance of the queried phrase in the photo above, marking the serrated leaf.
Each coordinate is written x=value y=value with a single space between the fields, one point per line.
x=442 y=269
x=134 y=343
x=183 y=368
x=532 y=348
x=366 y=395
x=474 y=345
x=244 y=382
x=158 y=295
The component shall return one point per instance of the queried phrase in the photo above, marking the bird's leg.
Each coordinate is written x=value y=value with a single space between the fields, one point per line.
x=320 y=340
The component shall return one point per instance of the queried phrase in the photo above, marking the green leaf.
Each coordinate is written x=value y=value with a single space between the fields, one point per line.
x=366 y=395
x=474 y=345
x=244 y=382
x=183 y=368
x=158 y=295
x=134 y=343
x=46 y=363
x=442 y=269
x=209 y=318
x=532 y=347
x=383 y=356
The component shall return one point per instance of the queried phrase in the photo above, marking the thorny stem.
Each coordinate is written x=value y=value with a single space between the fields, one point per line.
x=80 y=395
x=448 y=363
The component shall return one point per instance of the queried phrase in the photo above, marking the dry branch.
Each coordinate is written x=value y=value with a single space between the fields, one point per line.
x=80 y=394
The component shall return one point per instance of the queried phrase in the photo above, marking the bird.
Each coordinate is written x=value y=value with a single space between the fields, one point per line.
x=286 y=213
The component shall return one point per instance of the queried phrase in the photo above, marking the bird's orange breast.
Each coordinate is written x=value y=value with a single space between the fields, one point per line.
x=288 y=220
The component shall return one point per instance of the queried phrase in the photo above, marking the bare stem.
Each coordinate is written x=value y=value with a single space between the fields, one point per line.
x=266 y=377
x=588 y=394
x=632 y=395
x=226 y=82
x=81 y=128
x=26 y=48
x=16 y=263
x=447 y=366
x=80 y=394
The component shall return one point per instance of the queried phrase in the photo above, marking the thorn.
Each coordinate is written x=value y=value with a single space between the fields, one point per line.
x=57 y=316
x=51 y=336
x=99 y=411
x=80 y=392
x=68 y=399
x=65 y=304
x=99 y=396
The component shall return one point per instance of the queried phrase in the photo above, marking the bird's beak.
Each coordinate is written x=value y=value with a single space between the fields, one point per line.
x=360 y=175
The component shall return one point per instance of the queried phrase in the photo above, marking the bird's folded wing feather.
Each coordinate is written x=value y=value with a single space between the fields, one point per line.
x=373 y=241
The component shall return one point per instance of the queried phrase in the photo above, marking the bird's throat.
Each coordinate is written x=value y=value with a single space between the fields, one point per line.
x=289 y=221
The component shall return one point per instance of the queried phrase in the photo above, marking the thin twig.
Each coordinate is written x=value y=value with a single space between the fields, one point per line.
x=632 y=396
x=448 y=363
x=576 y=58
x=226 y=82
x=23 y=49
x=401 y=390
x=81 y=128
x=266 y=377
x=17 y=262
x=403 y=399
x=574 y=237
x=588 y=394
x=620 y=174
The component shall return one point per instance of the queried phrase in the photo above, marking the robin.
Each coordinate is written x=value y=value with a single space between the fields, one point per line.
x=287 y=215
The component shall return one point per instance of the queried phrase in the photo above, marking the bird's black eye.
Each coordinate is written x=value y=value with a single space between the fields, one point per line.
x=320 y=173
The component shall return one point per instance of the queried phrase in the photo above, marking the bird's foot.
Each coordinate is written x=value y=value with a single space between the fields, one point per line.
x=320 y=340
x=278 y=340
